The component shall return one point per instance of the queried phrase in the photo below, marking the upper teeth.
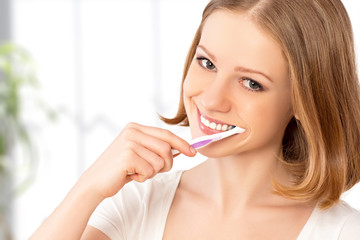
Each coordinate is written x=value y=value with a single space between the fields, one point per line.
x=217 y=126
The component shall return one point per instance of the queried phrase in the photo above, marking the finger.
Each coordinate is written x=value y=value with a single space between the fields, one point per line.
x=157 y=162
x=154 y=144
x=158 y=146
x=139 y=170
x=167 y=136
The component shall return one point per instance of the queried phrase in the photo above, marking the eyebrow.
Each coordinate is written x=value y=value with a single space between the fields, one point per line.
x=247 y=70
x=236 y=69
x=207 y=52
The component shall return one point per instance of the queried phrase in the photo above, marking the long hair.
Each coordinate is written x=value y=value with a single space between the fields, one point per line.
x=320 y=145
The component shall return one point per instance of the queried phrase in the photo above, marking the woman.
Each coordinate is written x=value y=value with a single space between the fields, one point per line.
x=284 y=71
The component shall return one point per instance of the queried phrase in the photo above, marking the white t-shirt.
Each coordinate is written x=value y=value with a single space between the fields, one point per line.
x=139 y=211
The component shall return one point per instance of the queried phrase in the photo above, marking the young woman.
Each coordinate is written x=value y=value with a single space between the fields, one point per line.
x=282 y=70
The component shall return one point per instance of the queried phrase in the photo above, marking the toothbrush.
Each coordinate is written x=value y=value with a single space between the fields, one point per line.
x=207 y=139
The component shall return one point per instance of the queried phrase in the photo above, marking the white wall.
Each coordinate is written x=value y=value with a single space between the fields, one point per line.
x=101 y=64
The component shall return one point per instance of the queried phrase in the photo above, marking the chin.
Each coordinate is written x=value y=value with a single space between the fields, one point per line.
x=215 y=152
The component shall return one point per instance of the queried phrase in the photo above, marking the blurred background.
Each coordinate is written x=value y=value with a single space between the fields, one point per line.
x=73 y=74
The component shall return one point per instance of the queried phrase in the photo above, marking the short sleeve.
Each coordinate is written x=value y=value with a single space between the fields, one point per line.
x=107 y=219
x=120 y=216
x=138 y=210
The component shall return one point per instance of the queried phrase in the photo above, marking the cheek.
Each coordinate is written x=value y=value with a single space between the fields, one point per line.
x=268 y=117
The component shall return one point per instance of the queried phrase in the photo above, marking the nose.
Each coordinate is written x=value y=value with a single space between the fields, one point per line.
x=216 y=96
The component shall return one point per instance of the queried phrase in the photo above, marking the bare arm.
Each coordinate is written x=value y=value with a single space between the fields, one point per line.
x=140 y=150
x=92 y=233
x=70 y=218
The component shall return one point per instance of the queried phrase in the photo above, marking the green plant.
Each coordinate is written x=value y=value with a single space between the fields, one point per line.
x=16 y=72
x=17 y=75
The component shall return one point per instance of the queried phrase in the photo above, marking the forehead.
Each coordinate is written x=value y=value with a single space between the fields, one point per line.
x=236 y=37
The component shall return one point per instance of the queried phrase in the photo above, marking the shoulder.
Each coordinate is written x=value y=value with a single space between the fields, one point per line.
x=351 y=227
x=340 y=215
x=135 y=196
x=162 y=182
x=149 y=193
x=341 y=221
x=341 y=210
x=136 y=205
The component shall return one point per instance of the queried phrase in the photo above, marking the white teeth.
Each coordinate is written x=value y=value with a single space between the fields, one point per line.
x=213 y=125
x=207 y=123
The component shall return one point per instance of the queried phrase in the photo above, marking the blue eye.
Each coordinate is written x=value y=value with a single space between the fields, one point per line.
x=206 y=63
x=252 y=85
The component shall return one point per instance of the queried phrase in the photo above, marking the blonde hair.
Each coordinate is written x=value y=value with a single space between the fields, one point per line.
x=320 y=146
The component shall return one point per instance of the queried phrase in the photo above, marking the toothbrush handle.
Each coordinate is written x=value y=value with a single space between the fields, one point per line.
x=195 y=143
x=205 y=140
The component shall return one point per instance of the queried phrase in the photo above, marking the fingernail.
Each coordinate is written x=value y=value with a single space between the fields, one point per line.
x=193 y=150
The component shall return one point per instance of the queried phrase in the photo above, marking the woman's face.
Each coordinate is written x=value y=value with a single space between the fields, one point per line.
x=240 y=77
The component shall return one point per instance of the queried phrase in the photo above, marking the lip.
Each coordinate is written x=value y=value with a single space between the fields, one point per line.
x=207 y=130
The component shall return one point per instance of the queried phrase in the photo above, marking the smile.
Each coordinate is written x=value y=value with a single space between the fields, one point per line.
x=214 y=124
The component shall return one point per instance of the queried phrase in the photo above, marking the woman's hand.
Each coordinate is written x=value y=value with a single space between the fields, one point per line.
x=138 y=153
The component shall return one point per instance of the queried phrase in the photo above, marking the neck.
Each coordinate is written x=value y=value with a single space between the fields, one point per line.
x=246 y=179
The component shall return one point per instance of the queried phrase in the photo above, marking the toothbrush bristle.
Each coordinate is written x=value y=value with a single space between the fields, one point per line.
x=231 y=127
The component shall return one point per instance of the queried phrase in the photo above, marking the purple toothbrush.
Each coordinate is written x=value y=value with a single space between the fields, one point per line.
x=206 y=139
